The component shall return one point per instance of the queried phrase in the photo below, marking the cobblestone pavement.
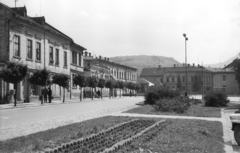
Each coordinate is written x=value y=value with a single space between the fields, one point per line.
x=21 y=129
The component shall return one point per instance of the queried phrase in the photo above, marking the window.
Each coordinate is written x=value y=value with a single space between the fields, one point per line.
x=173 y=79
x=38 y=51
x=57 y=56
x=183 y=79
x=29 y=49
x=74 y=85
x=50 y=55
x=16 y=46
x=167 y=79
x=224 y=78
x=74 y=58
x=80 y=60
x=65 y=58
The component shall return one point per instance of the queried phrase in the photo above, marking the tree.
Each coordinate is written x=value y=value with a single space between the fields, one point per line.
x=179 y=83
x=62 y=80
x=81 y=81
x=101 y=84
x=13 y=73
x=92 y=82
x=109 y=85
x=40 y=77
x=196 y=83
x=137 y=87
x=130 y=86
x=236 y=68
x=121 y=86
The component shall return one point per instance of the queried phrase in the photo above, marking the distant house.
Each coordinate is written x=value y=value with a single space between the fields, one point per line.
x=168 y=76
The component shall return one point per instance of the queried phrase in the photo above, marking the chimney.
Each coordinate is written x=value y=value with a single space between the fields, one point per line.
x=188 y=65
x=96 y=57
x=159 y=66
x=198 y=65
x=108 y=59
x=89 y=54
x=193 y=65
x=86 y=54
x=100 y=57
x=105 y=58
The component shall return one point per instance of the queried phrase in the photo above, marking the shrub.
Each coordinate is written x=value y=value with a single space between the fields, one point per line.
x=156 y=93
x=216 y=99
x=177 y=104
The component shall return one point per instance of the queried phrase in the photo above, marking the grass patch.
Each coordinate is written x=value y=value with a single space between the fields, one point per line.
x=176 y=136
x=181 y=136
x=198 y=110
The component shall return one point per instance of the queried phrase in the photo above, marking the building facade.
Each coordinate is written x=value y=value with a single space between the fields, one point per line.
x=168 y=77
x=33 y=41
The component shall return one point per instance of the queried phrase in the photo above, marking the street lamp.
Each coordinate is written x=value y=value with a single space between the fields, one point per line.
x=185 y=36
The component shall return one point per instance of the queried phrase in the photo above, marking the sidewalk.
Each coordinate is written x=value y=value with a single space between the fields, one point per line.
x=54 y=102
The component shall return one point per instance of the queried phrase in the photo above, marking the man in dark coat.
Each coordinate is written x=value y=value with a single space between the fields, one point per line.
x=45 y=93
x=49 y=95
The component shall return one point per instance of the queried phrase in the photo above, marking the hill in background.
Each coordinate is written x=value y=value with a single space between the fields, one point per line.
x=144 y=61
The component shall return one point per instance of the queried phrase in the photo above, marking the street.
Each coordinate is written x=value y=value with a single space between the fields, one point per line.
x=24 y=121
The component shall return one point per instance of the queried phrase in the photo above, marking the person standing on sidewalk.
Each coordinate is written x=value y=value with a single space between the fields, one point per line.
x=98 y=93
x=49 y=94
x=45 y=93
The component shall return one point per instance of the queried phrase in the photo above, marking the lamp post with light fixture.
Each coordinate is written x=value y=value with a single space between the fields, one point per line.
x=186 y=39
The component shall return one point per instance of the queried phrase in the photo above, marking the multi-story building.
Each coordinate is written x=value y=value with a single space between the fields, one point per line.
x=168 y=76
x=103 y=68
x=33 y=41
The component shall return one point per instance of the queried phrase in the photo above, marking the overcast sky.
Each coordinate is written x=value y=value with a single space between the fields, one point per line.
x=146 y=27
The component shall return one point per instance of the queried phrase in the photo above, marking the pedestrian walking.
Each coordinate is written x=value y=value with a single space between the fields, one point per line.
x=84 y=94
x=49 y=95
x=45 y=93
x=98 y=93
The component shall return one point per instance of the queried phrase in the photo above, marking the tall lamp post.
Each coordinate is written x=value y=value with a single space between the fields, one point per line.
x=185 y=36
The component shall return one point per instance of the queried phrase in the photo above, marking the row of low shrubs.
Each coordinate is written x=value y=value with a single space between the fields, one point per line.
x=164 y=99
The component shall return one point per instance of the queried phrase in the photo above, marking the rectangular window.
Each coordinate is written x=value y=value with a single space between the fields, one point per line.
x=74 y=58
x=51 y=55
x=167 y=79
x=80 y=60
x=16 y=46
x=29 y=49
x=183 y=79
x=173 y=79
x=57 y=56
x=38 y=51
x=224 y=78
x=65 y=58
x=73 y=85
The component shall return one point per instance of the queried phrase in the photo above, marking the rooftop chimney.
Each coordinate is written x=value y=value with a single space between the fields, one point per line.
x=188 y=65
x=86 y=54
x=108 y=59
x=105 y=58
x=89 y=54
x=100 y=57
x=193 y=65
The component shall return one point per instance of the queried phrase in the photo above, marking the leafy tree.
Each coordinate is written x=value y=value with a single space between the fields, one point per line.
x=81 y=81
x=109 y=85
x=40 y=77
x=101 y=84
x=137 y=87
x=179 y=83
x=121 y=86
x=236 y=68
x=63 y=81
x=92 y=82
x=196 y=83
x=130 y=86
x=13 y=73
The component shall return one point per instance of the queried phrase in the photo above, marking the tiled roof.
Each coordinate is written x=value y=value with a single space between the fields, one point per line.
x=163 y=70
x=231 y=65
x=142 y=81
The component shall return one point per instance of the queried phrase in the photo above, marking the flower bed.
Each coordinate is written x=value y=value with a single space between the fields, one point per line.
x=108 y=140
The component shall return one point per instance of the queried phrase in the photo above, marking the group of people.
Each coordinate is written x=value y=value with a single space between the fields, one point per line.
x=46 y=94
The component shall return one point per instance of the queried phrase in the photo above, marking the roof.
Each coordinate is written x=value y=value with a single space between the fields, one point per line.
x=109 y=62
x=20 y=13
x=142 y=81
x=231 y=65
x=152 y=80
x=164 y=70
